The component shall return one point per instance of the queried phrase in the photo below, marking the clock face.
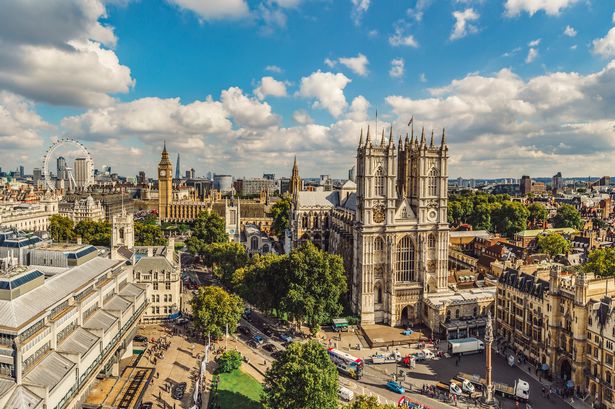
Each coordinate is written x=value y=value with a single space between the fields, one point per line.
x=163 y=173
x=432 y=214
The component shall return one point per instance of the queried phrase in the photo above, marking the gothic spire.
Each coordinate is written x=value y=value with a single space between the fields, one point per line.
x=423 y=137
x=382 y=138
x=368 y=141
x=391 y=141
x=164 y=147
x=431 y=142
x=361 y=138
x=443 y=137
x=399 y=145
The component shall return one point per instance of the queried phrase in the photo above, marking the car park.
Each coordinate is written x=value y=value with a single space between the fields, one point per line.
x=179 y=390
x=245 y=331
x=286 y=338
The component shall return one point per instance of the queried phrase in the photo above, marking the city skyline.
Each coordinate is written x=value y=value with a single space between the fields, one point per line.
x=233 y=85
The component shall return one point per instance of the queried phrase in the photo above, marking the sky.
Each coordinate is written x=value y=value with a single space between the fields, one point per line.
x=242 y=86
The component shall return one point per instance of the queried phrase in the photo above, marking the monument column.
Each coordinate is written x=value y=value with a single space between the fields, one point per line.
x=488 y=395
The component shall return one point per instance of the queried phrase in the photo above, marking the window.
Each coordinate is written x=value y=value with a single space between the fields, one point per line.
x=405 y=260
x=432 y=182
x=378 y=294
x=432 y=242
x=254 y=243
x=155 y=286
x=457 y=313
x=379 y=182
x=378 y=249
x=167 y=286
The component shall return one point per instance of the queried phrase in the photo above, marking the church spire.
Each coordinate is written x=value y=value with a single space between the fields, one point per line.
x=361 y=138
x=443 y=138
x=391 y=141
x=423 y=137
x=431 y=142
x=382 y=138
x=368 y=141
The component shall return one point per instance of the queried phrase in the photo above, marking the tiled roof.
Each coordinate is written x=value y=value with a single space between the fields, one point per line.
x=318 y=199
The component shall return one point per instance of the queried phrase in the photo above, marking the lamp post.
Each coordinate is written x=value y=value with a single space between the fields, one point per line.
x=488 y=400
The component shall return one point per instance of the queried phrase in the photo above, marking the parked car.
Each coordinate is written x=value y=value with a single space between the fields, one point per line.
x=395 y=387
x=146 y=405
x=252 y=343
x=270 y=348
x=140 y=338
x=286 y=338
x=276 y=354
x=178 y=391
x=245 y=331
x=258 y=339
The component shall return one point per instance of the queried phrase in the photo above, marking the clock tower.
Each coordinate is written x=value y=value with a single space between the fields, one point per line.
x=165 y=185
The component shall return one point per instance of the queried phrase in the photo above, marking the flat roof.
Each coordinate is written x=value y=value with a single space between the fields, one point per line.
x=17 y=312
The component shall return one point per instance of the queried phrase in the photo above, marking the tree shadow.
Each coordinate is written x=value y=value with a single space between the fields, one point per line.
x=234 y=400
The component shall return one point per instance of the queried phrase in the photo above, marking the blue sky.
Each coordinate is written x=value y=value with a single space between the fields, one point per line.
x=236 y=86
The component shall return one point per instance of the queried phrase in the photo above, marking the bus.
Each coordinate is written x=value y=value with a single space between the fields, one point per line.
x=346 y=363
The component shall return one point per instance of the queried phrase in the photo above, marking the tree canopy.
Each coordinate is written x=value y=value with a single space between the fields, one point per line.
x=280 y=212
x=601 y=262
x=552 y=244
x=213 y=308
x=510 y=218
x=61 y=228
x=149 y=235
x=209 y=228
x=568 y=216
x=538 y=213
x=224 y=258
x=304 y=377
x=263 y=282
x=95 y=233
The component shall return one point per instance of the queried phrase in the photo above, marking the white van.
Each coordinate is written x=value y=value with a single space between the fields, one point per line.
x=345 y=394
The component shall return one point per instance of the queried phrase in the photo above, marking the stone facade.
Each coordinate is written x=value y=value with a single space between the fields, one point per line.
x=83 y=209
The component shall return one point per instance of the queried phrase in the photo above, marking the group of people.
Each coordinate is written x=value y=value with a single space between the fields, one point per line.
x=155 y=350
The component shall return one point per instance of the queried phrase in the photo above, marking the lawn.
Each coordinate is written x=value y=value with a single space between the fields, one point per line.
x=238 y=390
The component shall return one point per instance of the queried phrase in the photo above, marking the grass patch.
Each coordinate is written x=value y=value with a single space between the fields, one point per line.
x=238 y=390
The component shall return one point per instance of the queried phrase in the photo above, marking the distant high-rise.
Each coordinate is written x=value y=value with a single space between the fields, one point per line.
x=37 y=177
x=141 y=178
x=21 y=171
x=178 y=173
x=525 y=186
x=83 y=172
x=269 y=176
x=352 y=173
x=61 y=167
x=557 y=181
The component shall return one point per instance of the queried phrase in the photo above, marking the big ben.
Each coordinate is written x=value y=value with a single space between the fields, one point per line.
x=165 y=185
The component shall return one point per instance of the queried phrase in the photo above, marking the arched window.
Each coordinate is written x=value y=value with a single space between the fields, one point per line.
x=431 y=242
x=378 y=291
x=254 y=243
x=305 y=221
x=457 y=313
x=379 y=182
x=266 y=248
x=405 y=260
x=378 y=249
x=432 y=182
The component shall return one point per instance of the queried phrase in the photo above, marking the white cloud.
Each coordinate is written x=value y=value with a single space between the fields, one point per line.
x=613 y=17
x=302 y=117
x=359 y=8
x=328 y=90
x=551 y=7
x=570 y=31
x=534 y=43
x=532 y=54
x=215 y=9
x=397 y=67
x=330 y=63
x=358 y=109
x=270 y=86
x=504 y=123
x=399 y=38
x=463 y=25
x=19 y=124
x=356 y=64
x=372 y=33
x=246 y=111
x=418 y=10
x=287 y=3
x=274 y=68
x=53 y=52
x=423 y=77
x=605 y=46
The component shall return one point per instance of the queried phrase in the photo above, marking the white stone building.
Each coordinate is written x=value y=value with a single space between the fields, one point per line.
x=83 y=209
x=28 y=216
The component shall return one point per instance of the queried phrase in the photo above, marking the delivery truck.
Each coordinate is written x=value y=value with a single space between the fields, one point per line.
x=465 y=346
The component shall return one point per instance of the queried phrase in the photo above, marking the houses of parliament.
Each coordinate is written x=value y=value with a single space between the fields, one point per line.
x=390 y=227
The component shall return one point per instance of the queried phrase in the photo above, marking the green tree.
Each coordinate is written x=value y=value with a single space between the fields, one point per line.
x=552 y=244
x=368 y=402
x=229 y=361
x=61 y=228
x=480 y=218
x=264 y=282
x=601 y=262
x=97 y=233
x=316 y=280
x=538 y=213
x=510 y=218
x=150 y=218
x=225 y=258
x=209 y=228
x=568 y=216
x=149 y=235
x=213 y=308
x=304 y=377
x=280 y=212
